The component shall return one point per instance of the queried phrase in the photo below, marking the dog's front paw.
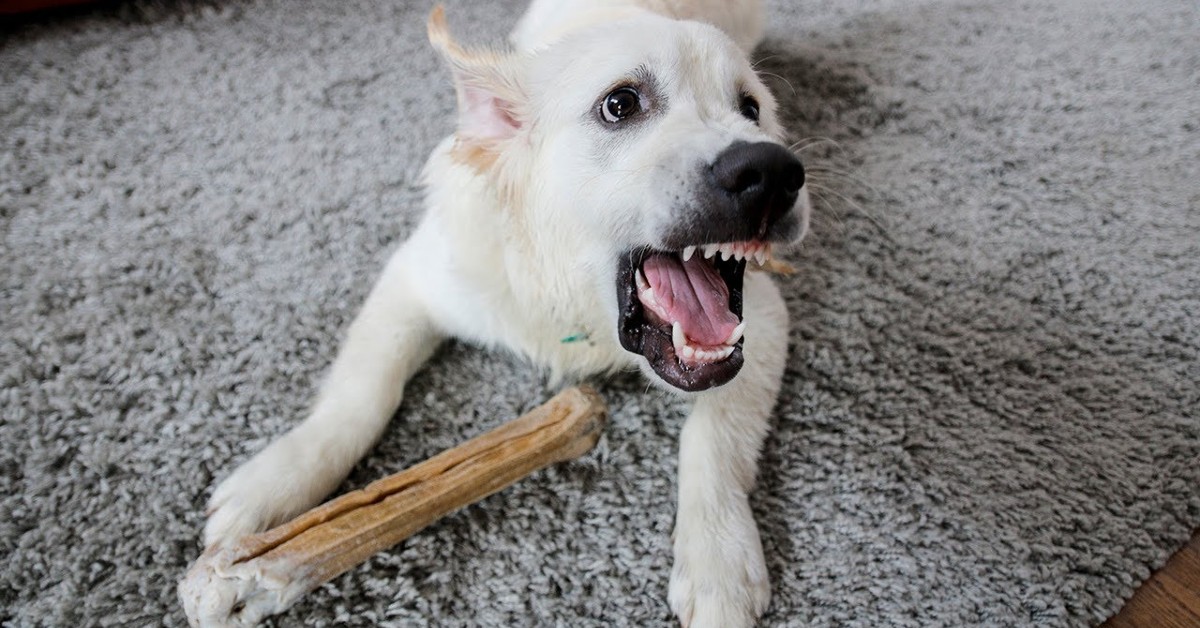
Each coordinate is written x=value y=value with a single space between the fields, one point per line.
x=719 y=579
x=270 y=488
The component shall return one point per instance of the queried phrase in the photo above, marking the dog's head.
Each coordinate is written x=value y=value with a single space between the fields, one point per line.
x=653 y=148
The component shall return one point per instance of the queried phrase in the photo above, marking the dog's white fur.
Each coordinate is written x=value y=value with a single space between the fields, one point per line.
x=526 y=214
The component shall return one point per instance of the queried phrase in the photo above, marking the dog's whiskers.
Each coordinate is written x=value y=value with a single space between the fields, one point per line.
x=772 y=74
x=765 y=59
x=816 y=140
x=820 y=198
x=845 y=175
x=817 y=187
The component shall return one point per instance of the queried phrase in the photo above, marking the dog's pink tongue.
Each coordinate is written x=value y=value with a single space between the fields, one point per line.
x=694 y=294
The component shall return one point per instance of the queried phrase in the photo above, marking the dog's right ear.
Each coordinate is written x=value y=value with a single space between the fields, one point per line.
x=491 y=97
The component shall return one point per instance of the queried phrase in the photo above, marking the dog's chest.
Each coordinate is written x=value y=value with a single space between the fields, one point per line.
x=554 y=325
x=485 y=296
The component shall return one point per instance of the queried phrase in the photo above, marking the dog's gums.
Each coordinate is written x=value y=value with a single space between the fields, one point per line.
x=683 y=310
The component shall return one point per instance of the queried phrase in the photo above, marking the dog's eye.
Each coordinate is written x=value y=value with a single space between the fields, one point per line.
x=749 y=108
x=620 y=104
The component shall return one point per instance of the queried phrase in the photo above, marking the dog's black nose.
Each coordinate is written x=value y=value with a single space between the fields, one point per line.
x=763 y=179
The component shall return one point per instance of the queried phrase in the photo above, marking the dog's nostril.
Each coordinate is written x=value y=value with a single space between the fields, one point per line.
x=745 y=180
x=793 y=178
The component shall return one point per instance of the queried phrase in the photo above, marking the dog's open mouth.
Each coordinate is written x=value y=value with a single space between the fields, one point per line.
x=683 y=310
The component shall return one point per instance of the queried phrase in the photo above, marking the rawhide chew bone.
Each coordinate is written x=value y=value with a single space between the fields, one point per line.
x=265 y=573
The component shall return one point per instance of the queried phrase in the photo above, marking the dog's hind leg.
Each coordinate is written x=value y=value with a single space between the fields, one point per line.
x=720 y=578
x=388 y=341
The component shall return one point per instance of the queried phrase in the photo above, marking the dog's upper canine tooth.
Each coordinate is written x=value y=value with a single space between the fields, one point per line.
x=688 y=251
x=736 y=334
x=762 y=253
x=642 y=284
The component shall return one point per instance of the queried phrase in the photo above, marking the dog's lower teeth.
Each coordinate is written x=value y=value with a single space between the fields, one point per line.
x=736 y=334
x=691 y=354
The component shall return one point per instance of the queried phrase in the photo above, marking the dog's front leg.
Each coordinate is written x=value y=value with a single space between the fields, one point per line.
x=720 y=578
x=389 y=340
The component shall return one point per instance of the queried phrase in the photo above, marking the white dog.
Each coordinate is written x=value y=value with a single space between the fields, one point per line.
x=614 y=175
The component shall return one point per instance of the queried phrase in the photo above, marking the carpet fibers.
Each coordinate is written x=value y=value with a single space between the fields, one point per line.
x=990 y=415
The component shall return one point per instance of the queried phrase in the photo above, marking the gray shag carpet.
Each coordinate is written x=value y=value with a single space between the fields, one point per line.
x=990 y=416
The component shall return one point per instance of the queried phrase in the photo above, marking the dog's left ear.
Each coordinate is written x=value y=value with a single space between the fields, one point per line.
x=491 y=97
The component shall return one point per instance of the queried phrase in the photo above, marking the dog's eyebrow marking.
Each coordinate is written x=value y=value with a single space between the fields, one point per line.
x=642 y=76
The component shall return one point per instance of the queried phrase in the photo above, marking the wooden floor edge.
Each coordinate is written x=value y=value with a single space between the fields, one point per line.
x=1170 y=598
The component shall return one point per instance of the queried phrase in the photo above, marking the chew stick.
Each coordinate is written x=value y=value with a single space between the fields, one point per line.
x=265 y=573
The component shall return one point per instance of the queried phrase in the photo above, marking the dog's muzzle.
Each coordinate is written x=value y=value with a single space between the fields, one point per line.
x=680 y=301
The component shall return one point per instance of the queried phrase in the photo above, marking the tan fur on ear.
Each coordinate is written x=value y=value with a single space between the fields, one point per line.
x=481 y=158
x=485 y=68
x=478 y=71
x=439 y=33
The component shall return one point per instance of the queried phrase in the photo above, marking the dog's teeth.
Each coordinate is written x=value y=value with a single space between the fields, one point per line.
x=642 y=284
x=649 y=299
x=710 y=250
x=721 y=354
x=762 y=253
x=688 y=251
x=726 y=251
x=689 y=353
x=677 y=337
x=736 y=334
